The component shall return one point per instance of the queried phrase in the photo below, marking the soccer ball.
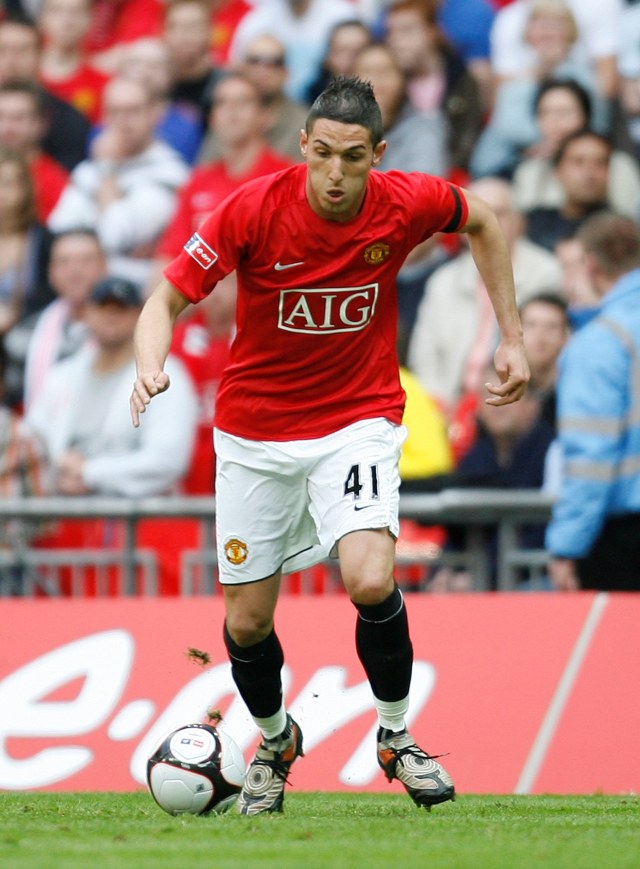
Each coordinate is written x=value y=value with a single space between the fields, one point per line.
x=195 y=770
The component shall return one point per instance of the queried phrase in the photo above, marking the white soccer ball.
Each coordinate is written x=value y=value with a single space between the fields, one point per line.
x=195 y=770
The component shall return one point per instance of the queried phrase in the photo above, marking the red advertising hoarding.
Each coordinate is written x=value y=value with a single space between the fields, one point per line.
x=517 y=689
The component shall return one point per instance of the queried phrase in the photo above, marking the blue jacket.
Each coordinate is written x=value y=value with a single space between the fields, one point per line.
x=599 y=422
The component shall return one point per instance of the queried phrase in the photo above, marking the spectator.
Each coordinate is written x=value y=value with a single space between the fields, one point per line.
x=437 y=78
x=237 y=122
x=264 y=64
x=509 y=452
x=467 y=26
x=594 y=531
x=346 y=40
x=187 y=37
x=81 y=412
x=510 y=448
x=545 y=329
x=22 y=128
x=626 y=126
x=115 y=23
x=303 y=26
x=64 y=69
x=22 y=474
x=24 y=257
x=202 y=342
x=583 y=301
x=67 y=129
x=581 y=167
x=77 y=263
x=450 y=353
x=598 y=40
x=127 y=190
x=179 y=125
x=225 y=17
x=516 y=126
x=562 y=108
x=416 y=140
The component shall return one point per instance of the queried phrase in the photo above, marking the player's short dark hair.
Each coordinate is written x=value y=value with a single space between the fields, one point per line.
x=349 y=100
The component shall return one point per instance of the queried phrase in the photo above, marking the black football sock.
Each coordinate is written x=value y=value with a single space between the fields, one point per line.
x=256 y=672
x=384 y=646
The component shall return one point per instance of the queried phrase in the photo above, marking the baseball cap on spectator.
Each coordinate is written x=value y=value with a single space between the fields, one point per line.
x=119 y=290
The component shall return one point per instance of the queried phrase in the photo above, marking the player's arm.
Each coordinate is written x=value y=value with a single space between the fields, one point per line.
x=491 y=255
x=152 y=342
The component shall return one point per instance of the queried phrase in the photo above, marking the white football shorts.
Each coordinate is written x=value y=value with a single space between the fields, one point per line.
x=285 y=504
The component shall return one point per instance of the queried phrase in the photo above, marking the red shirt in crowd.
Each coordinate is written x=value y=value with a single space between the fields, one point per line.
x=116 y=21
x=223 y=25
x=49 y=180
x=83 y=90
x=205 y=358
x=205 y=190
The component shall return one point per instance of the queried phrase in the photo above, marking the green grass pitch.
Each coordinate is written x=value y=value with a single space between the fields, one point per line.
x=337 y=831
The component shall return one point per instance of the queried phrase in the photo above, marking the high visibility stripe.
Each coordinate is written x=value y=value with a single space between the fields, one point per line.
x=592 y=425
x=603 y=472
x=599 y=472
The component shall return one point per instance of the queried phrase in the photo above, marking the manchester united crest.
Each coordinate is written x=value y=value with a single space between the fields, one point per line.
x=236 y=550
x=376 y=253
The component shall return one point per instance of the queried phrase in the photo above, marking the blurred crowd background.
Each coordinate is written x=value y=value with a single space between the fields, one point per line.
x=123 y=123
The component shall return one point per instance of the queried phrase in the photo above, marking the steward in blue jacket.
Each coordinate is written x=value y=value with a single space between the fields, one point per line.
x=594 y=534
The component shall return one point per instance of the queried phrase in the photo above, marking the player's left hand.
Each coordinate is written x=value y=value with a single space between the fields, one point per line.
x=513 y=370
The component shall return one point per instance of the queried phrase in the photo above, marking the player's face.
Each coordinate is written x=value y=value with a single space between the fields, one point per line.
x=339 y=159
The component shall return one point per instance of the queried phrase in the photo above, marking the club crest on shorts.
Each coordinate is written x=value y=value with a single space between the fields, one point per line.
x=376 y=253
x=236 y=550
x=204 y=255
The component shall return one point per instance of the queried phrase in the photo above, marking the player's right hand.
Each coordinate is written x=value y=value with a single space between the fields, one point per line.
x=144 y=388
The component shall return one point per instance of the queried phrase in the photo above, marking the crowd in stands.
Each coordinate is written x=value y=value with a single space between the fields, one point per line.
x=123 y=123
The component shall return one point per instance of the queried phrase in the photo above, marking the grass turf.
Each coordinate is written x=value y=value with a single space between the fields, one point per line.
x=128 y=831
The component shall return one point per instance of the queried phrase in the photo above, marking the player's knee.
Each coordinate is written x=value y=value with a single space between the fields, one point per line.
x=369 y=589
x=248 y=628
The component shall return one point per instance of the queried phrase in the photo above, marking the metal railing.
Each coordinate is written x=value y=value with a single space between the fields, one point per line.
x=36 y=570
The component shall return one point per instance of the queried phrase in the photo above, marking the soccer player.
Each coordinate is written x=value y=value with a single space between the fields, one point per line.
x=308 y=416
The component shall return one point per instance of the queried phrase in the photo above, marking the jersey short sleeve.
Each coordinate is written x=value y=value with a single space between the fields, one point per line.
x=436 y=205
x=215 y=249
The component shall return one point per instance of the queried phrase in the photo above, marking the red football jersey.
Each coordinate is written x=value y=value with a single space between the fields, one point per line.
x=315 y=348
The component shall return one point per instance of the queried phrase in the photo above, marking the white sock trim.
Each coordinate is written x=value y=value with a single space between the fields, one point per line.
x=273 y=726
x=391 y=713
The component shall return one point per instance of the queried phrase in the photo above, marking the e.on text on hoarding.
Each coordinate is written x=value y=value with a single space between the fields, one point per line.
x=505 y=685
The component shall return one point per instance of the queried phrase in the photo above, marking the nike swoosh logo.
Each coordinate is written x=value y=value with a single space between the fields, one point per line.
x=280 y=267
x=363 y=506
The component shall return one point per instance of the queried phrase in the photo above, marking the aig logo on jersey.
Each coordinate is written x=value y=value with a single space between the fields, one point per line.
x=332 y=309
x=204 y=255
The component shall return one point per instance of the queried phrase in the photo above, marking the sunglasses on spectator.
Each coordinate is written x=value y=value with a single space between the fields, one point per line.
x=264 y=60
